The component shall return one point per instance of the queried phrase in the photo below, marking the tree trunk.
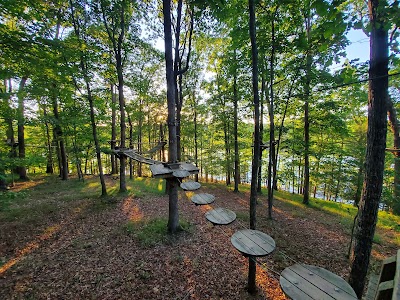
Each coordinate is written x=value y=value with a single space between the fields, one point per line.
x=271 y=162
x=235 y=127
x=62 y=154
x=49 y=165
x=173 y=218
x=259 y=176
x=227 y=153
x=306 y=185
x=196 y=146
x=256 y=154
x=21 y=130
x=114 y=165
x=376 y=143
x=394 y=126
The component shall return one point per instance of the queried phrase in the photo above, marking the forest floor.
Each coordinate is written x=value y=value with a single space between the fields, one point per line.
x=58 y=241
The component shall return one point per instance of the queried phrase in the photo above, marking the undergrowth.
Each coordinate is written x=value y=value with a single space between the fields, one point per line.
x=153 y=232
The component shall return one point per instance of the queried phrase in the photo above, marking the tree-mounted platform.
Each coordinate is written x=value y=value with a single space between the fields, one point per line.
x=158 y=168
x=135 y=156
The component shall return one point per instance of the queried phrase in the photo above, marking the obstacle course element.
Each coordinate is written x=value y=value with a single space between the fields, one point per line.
x=387 y=284
x=158 y=168
x=253 y=242
x=190 y=185
x=220 y=216
x=301 y=281
x=203 y=199
x=135 y=156
x=156 y=148
x=165 y=170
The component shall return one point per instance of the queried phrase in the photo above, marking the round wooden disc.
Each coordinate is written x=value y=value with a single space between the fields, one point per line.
x=180 y=173
x=220 y=216
x=190 y=185
x=253 y=242
x=302 y=281
x=204 y=198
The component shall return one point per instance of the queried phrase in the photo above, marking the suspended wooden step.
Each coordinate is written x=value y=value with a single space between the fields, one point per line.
x=202 y=199
x=156 y=148
x=220 y=216
x=180 y=173
x=253 y=242
x=190 y=185
x=165 y=170
x=306 y=282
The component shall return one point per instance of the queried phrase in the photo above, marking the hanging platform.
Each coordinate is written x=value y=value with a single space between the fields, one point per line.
x=190 y=185
x=220 y=216
x=203 y=199
x=136 y=156
x=158 y=168
x=305 y=282
x=179 y=170
x=253 y=242
x=156 y=148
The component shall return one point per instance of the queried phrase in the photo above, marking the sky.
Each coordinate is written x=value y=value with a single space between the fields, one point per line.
x=359 y=45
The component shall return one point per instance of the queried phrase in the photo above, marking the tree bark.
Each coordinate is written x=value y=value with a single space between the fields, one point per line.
x=114 y=165
x=306 y=184
x=395 y=128
x=256 y=153
x=85 y=73
x=58 y=134
x=376 y=143
x=173 y=219
x=21 y=129
x=235 y=127
x=49 y=165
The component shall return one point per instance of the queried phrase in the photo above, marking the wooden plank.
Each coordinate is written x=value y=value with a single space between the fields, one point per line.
x=180 y=173
x=386 y=285
x=297 y=281
x=253 y=242
x=203 y=198
x=190 y=185
x=159 y=170
x=372 y=287
x=220 y=216
x=189 y=167
x=293 y=291
x=396 y=281
x=330 y=283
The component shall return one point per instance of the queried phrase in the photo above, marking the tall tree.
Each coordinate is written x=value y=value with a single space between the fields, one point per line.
x=173 y=220
x=80 y=22
x=376 y=143
x=256 y=152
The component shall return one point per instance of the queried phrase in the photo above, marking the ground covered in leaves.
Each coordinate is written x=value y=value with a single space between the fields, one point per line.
x=58 y=240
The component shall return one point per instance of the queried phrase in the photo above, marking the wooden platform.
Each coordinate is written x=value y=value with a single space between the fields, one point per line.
x=136 y=156
x=220 y=216
x=202 y=199
x=180 y=173
x=306 y=282
x=253 y=242
x=161 y=170
x=387 y=284
x=190 y=185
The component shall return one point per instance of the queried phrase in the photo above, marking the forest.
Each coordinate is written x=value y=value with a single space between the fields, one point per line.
x=261 y=93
